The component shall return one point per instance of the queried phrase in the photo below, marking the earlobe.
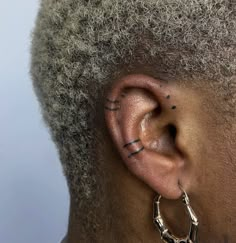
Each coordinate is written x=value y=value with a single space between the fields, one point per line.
x=139 y=124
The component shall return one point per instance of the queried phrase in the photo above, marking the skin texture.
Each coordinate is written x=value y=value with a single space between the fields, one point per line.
x=79 y=49
x=200 y=156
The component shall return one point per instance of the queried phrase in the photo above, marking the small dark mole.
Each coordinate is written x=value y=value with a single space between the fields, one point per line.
x=168 y=96
x=173 y=107
x=160 y=85
x=123 y=95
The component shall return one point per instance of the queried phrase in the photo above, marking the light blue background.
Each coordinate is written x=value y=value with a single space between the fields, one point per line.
x=33 y=193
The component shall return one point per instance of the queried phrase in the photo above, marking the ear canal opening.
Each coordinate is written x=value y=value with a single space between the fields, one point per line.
x=172 y=131
x=157 y=111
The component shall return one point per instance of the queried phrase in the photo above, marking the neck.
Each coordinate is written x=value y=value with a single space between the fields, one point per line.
x=126 y=213
x=125 y=220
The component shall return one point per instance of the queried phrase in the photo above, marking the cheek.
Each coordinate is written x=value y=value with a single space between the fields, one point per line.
x=216 y=157
x=216 y=180
x=218 y=161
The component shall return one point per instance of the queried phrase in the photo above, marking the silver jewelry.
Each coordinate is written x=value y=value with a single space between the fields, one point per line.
x=166 y=235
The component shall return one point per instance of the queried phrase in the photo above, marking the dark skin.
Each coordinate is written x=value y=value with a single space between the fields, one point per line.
x=183 y=144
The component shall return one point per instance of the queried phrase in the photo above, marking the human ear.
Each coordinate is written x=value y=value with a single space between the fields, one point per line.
x=141 y=114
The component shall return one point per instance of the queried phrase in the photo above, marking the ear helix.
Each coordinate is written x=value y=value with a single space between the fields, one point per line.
x=135 y=152
x=112 y=105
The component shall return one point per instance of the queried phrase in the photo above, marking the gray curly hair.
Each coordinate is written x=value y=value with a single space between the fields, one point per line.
x=80 y=46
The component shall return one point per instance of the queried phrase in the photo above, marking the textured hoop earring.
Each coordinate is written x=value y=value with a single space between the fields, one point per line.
x=166 y=235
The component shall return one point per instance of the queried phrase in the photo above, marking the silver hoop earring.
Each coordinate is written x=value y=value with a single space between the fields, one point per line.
x=166 y=235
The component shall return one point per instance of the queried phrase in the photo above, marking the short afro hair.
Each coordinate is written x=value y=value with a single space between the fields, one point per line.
x=80 y=46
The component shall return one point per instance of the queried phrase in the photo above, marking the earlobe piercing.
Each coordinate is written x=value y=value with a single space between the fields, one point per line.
x=166 y=235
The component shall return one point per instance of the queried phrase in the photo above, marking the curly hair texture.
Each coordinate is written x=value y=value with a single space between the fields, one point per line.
x=80 y=46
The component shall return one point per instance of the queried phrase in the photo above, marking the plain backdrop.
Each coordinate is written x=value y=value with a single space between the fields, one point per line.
x=34 y=200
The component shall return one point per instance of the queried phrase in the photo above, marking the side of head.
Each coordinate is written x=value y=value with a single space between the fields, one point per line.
x=160 y=74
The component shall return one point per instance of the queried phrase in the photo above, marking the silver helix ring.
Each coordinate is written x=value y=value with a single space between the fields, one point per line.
x=166 y=235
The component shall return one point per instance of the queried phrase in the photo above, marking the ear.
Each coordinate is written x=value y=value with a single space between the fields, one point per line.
x=141 y=114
